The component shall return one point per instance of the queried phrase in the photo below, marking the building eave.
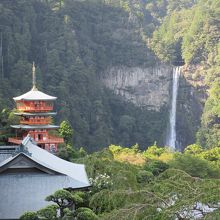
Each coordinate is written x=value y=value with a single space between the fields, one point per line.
x=30 y=127
x=35 y=114
x=35 y=95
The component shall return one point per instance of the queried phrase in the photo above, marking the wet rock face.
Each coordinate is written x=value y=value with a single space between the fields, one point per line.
x=142 y=86
x=191 y=98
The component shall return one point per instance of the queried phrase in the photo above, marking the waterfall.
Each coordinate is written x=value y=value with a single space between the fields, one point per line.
x=171 y=140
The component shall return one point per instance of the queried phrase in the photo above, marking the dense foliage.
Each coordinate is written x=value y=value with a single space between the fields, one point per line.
x=72 y=43
x=189 y=33
x=163 y=185
x=153 y=184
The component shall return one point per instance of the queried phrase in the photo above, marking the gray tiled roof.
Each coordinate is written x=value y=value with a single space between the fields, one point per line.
x=20 y=192
x=4 y=156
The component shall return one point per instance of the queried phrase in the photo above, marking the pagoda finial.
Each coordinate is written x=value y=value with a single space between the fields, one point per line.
x=34 y=77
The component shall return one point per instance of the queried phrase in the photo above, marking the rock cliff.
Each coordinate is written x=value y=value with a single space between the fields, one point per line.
x=149 y=87
x=191 y=98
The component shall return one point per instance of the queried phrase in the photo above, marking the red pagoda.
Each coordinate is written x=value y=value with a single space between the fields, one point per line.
x=35 y=110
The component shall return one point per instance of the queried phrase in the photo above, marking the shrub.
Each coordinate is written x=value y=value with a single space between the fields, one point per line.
x=212 y=154
x=49 y=212
x=193 y=149
x=115 y=149
x=29 y=216
x=67 y=152
x=154 y=151
x=144 y=176
x=156 y=167
x=195 y=166
x=85 y=214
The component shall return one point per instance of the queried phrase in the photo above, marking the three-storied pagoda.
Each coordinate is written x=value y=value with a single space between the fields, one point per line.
x=35 y=109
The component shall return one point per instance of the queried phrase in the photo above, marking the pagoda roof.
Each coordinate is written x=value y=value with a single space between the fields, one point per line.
x=35 y=95
x=35 y=114
x=30 y=127
x=26 y=190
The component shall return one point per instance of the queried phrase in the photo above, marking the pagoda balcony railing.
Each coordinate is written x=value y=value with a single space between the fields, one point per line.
x=36 y=121
x=14 y=140
x=35 y=109
x=49 y=140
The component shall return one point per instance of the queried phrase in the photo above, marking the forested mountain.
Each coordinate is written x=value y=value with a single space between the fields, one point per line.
x=191 y=35
x=74 y=42
x=92 y=54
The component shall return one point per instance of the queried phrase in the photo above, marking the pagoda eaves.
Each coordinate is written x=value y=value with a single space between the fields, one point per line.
x=31 y=127
x=35 y=95
x=35 y=114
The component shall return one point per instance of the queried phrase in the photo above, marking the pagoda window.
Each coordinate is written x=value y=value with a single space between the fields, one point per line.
x=37 y=104
x=20 y=104
x=40 y=136
x=49 y=104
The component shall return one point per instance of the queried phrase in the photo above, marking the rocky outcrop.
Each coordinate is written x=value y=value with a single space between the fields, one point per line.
x=149 y=87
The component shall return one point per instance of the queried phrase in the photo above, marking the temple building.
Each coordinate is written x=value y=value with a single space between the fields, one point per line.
x=28 y=173
x=35 y=109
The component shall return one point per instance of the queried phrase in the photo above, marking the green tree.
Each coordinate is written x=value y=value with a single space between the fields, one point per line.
x=144 y=176
x=209 y=135
x=29 y=216
x=85 y=214
x=193 y=149
x=66 y=131
x=65 y=199
x=156 y=167
x=48 y=213
x=195 y=166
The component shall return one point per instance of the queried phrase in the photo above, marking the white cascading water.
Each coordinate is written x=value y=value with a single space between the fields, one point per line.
x=171 y=140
